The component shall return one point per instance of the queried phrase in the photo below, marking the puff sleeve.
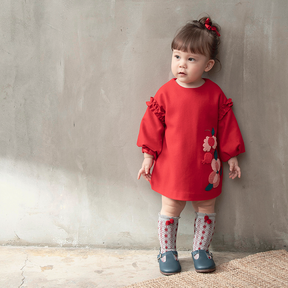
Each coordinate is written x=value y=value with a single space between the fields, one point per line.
x=231 y=143
x=152 y=129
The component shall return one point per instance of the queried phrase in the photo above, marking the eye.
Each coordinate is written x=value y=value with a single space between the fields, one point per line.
x=191 y=59
x=177 y=56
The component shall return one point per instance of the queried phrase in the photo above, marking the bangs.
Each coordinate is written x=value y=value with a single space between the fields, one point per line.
x=193 y=42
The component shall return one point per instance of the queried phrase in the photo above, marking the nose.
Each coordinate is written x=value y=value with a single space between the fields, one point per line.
x=182 y=64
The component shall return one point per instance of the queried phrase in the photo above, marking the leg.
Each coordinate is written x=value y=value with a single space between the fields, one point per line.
x=167 y=232
x=203 y=232
x=171 y=207
x=206 y=206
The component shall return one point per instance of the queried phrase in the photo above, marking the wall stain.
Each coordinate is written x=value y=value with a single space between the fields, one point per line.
x=48 y=267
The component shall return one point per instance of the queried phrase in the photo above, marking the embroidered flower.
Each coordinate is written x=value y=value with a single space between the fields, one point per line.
x=214 y=177
x=215 y=164
x=211 y=156
x=209 y=142
x=207 y=158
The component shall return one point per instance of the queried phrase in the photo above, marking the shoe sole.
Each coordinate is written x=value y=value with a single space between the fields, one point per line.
x=206 y=270
x=169 y=274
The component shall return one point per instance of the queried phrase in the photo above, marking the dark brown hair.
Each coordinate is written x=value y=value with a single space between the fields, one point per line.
x=194 y=37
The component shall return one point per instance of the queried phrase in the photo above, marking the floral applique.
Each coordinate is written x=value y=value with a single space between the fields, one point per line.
x=210 y=142
x=211 y=157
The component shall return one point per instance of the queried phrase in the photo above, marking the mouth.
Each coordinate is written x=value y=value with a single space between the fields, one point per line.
x=181 y=73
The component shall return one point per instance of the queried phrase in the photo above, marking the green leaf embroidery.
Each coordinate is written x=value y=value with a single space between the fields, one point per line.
x=215 y=155
x=209 y=187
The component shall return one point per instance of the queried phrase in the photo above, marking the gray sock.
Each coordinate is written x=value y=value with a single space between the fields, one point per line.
x=203 y=231
x=167 y=232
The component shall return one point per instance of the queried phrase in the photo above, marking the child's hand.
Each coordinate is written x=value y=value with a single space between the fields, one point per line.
x=145 y=169
x=234 y=168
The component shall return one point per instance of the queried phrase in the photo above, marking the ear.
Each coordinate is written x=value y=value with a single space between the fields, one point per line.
x=209 y=65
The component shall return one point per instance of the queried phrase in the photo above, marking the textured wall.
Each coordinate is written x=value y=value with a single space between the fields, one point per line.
x=75 y=76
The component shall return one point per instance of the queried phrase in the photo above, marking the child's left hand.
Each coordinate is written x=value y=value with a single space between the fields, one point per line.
x=234 y=168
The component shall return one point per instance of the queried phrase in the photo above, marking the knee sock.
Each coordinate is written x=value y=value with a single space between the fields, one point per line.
x=204 y=227
x=167 y=232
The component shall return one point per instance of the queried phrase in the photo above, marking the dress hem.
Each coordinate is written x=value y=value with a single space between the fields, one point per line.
x=197 y=197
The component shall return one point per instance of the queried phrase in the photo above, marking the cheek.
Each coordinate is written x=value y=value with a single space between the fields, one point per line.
x=173 y=67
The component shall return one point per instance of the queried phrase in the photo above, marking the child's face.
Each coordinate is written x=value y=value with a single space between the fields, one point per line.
x=188 y=68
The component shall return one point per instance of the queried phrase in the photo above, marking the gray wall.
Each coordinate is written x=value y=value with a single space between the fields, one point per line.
x=75 y=76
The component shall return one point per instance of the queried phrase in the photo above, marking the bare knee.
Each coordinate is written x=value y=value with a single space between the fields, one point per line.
x=171 y=207
x=206 y=206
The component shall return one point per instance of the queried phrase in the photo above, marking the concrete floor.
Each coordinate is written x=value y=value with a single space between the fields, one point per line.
x=36 y=267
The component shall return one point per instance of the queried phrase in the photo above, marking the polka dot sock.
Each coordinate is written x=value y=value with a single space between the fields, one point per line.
x=167 y=233
x=204 y=227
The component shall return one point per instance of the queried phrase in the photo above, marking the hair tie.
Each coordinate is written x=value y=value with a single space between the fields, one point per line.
x=209 y=27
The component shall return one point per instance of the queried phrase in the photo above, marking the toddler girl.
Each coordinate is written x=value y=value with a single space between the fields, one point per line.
x=187 y=131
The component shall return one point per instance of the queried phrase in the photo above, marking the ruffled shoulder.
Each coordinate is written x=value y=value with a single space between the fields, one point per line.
x=225 y=108
x=157 y=109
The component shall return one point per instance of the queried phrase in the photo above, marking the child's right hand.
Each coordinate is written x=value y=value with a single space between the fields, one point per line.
x=145 y=169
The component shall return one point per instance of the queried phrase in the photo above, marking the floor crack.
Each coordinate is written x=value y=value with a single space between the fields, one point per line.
x=22 y=274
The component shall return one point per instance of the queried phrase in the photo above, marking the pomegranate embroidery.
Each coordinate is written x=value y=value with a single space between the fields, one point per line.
x=211 y=157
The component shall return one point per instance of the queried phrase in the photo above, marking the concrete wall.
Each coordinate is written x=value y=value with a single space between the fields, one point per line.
x=75 y=76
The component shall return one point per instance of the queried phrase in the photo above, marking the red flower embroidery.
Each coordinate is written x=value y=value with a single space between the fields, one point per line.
x=207 y=158
x=209 y=142
x=214 y=177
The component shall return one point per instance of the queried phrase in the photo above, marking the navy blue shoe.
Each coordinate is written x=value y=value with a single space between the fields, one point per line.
x=171 y=265
x=203 y=261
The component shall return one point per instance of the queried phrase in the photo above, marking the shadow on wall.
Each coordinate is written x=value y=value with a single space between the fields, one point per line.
x=73 y=96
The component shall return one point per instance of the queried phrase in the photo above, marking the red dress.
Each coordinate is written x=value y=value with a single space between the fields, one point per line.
x=188 y=130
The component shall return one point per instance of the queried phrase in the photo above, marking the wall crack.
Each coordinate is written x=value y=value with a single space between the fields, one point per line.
x=22 y=274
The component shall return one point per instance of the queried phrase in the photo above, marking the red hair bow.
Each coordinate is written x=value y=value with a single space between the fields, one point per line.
x=209 y=27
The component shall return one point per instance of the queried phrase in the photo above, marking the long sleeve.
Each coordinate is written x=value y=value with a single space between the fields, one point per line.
x=152 y=129
x=231 y=143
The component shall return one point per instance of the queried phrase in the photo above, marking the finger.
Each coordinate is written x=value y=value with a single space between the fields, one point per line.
x=233 y=174
x=139 y=175
x=236 y=171
x=239 y=172
x=146 y=177
x=141 y=171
